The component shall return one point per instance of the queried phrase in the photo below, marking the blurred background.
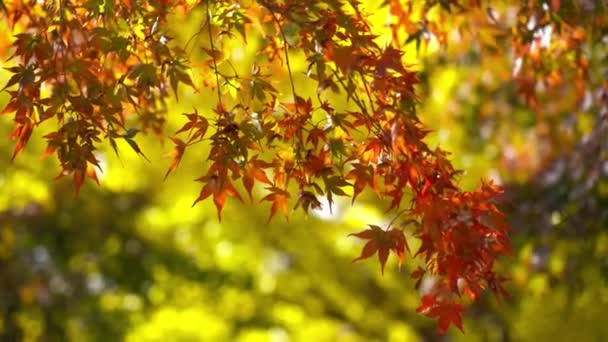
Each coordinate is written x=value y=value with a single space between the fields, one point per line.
x=131 y=260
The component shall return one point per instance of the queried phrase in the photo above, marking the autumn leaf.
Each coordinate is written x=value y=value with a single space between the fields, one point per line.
x=316 y=135
x=215 y=54
x=91 y=173
x=307 y=200
x=176 y=154
x=135 y=147
x=417 y=276
x=382 y=241
x=345 y=57
x=220 y=188
x=22 y=133
x=333 y=186
x=197 y=126
x=362 y=174
x=446 y=313
x=279 y=198
x=390 y=60
x=255 y=171
x=78 y=180
x=177 y=74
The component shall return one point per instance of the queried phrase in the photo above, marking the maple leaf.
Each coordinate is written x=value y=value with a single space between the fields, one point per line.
x=303 y=106
x=363 y=176
x=78 y=180
x=315 y=135
x=197 y=125
x=343 y=56
x=134 y=145
x=417 y=275
x=255 y=171
x=495 y=284
x=176 y=154
x=446 y=313
x=220 y=188
x=177 y=73
x=23 y=132
x=382 y=241
x=279 y=198
x=396 y=194
x=333 y=186
x=91 y=173
x=307 y=200
x=390 y=59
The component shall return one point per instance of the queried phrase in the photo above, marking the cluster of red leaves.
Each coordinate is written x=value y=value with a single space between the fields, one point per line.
x=88 y=65
x=462 y=234
x=98 y=66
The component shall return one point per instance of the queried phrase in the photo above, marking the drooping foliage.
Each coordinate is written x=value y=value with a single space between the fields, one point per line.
x=99 y=72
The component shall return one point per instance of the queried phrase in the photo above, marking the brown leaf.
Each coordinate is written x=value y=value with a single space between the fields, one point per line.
x=255 y=171
x=176 y=154
x=23 y=133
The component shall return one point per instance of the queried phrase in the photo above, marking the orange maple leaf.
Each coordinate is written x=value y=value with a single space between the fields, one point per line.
x=382 y=241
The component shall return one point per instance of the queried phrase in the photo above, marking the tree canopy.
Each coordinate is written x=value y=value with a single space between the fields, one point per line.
x=301 y=103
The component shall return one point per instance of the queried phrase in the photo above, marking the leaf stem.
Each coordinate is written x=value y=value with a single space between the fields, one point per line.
x=398 y=215
x=369 y=96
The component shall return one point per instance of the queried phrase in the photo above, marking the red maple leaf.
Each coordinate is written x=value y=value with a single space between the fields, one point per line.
x=446 y=312
x=382 y=241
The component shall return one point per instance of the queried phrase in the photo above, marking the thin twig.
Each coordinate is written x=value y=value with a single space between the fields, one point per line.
x=398 y=215
x=236 y=74
x=354 y=95
x=194 y=36
x=358 y=101
x=276 y=20
x=369 y=96
x=217 y=76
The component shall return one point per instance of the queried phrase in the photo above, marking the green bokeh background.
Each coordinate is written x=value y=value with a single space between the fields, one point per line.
x=131 y=260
